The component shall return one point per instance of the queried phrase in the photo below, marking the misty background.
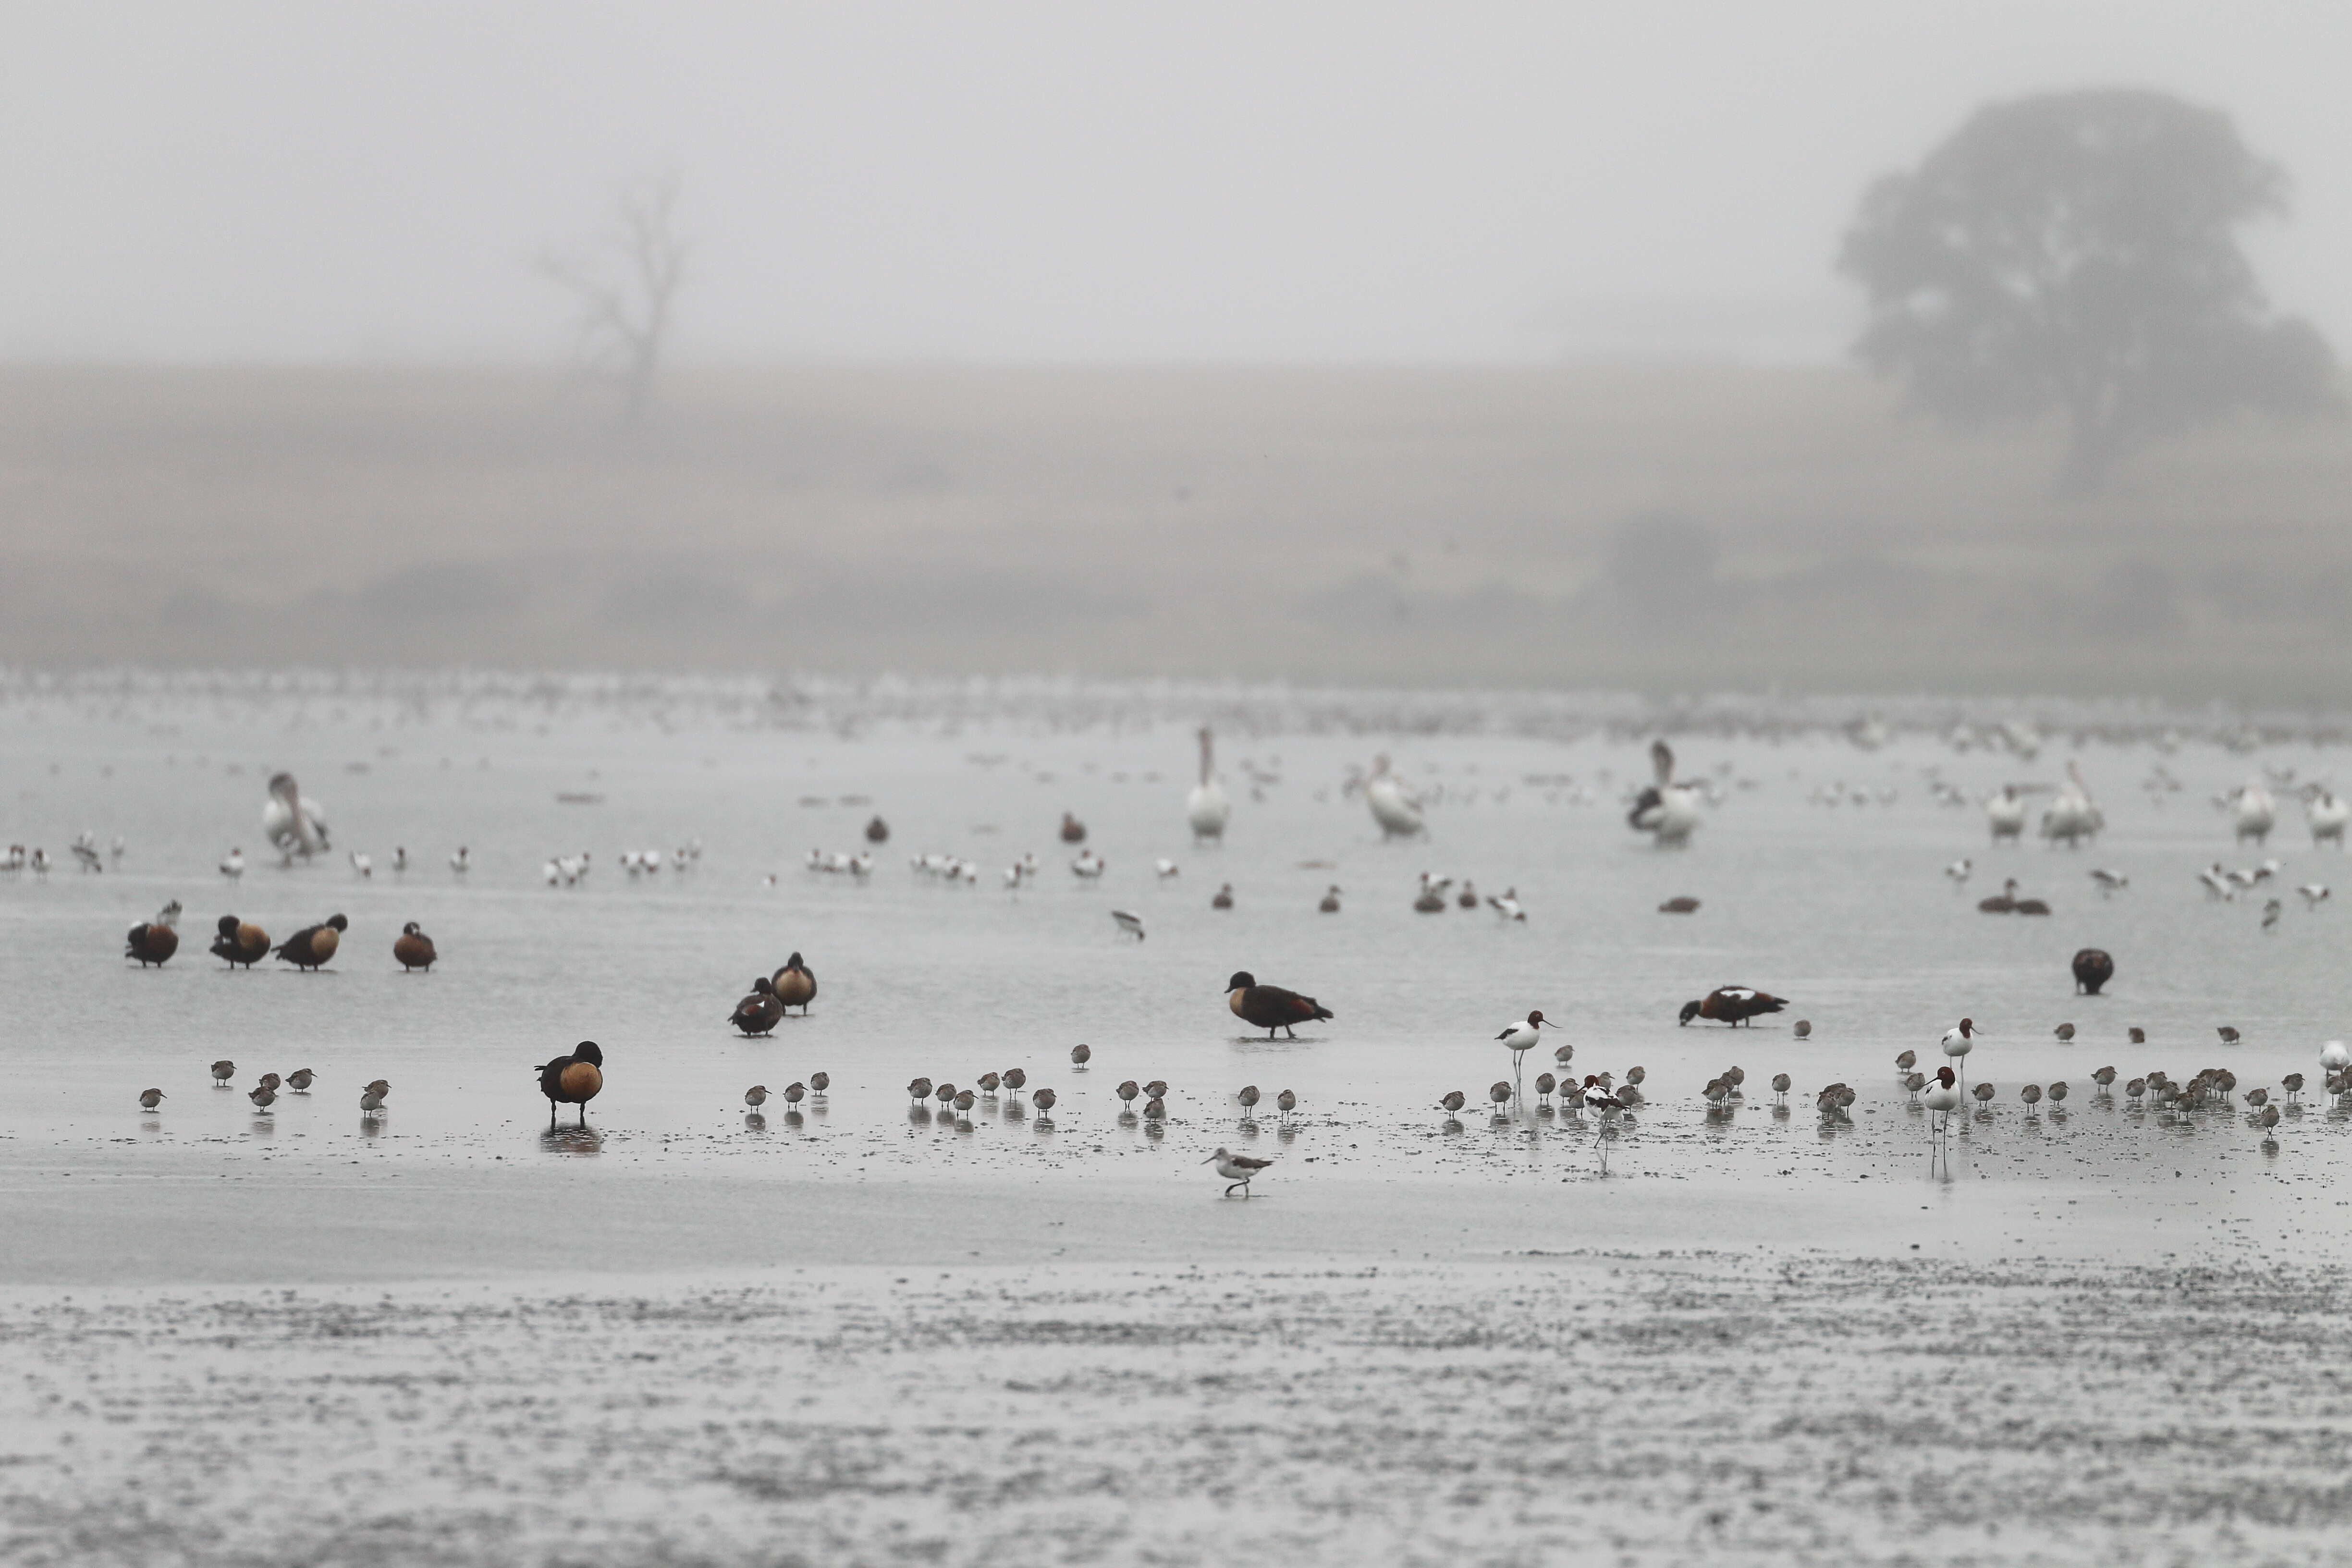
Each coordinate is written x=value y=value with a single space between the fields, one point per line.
x=1504 y=346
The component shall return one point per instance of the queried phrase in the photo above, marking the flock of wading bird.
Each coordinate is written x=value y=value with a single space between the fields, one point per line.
x=1667 y=809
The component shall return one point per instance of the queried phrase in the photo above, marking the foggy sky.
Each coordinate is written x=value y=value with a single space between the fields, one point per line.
x=1349 y=181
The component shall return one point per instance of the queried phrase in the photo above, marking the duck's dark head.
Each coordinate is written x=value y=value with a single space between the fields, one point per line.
x=764 y=986
x=1242 y=979
x=412 y=928
x=339 y=923
x=227 y=926
x=589 y=1053
x=1690 y=1011
x=793 y=962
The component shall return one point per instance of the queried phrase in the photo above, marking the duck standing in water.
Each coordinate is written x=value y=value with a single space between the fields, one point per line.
x=574 y=1079
x=1072 y=830
x=760 y=1011
x=794 y=984
x=1270 y=1007
x=2093 y=968
x=414 y=948
x=1732 y=1005
x=240 y=942
x=154 y=942
x=312 y=946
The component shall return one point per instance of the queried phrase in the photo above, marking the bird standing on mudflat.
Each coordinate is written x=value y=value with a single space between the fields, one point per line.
x=240 y=942
x=794 y=984
x=414 y=948
x=758 y=1012
x=574 y=1079
x=1236 y=1168
x=312 y=946
x=1733 y=1005
x=1270 y=1007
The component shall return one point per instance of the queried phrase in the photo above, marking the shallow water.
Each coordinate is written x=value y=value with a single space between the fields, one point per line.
x=1844 y=909
x=1841 y=908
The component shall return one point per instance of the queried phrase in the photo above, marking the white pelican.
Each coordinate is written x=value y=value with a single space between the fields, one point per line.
x=1666 y=810
x=2073 y=816
x=1129 y=923
x=2005 y=814
x=232 y=864
x=292 y=821
x=2327 y=814
x=2254 y=813
x=1206 y=806
x=1394 y=807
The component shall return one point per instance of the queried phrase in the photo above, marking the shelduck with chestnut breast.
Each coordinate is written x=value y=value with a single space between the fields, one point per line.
x=154 y=942
x=312 y=946
x=574 y=1079
x=240 y=942
x=1270 y=1007
x=414 y=948
x=794 y=984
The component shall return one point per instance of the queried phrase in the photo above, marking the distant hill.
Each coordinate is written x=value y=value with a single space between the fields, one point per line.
x=1657 y=530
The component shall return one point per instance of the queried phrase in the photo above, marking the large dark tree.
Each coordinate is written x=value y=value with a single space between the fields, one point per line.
x=2077 y=252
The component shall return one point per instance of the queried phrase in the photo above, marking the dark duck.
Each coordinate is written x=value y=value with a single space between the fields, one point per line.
x=240 y=942
x=758 y=1012
x=312 y=946
x=1270 y=1007
x=153 y=941
x=1732 y=1005
x=574 y=1079
x=414 y=948
x=794 y=984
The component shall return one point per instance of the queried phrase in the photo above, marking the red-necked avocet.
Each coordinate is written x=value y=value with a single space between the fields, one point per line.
x=2326 y=813
x=2254 y=813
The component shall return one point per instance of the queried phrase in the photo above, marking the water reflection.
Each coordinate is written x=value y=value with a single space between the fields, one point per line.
x=574 y=1140
x=792 y=1119
x=919 y=1114
x=754 y=1123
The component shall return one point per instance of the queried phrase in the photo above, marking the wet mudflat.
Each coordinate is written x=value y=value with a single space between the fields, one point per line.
x=1704 y=1407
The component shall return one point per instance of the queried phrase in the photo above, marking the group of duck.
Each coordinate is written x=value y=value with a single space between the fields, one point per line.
x=241 y=942
x=793 y=985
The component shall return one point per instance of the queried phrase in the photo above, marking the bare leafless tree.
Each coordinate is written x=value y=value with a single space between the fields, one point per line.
x=627 y=288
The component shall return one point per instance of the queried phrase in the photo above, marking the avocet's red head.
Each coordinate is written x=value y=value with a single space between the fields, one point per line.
x=1946 y=1077
x=1968 y=1026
